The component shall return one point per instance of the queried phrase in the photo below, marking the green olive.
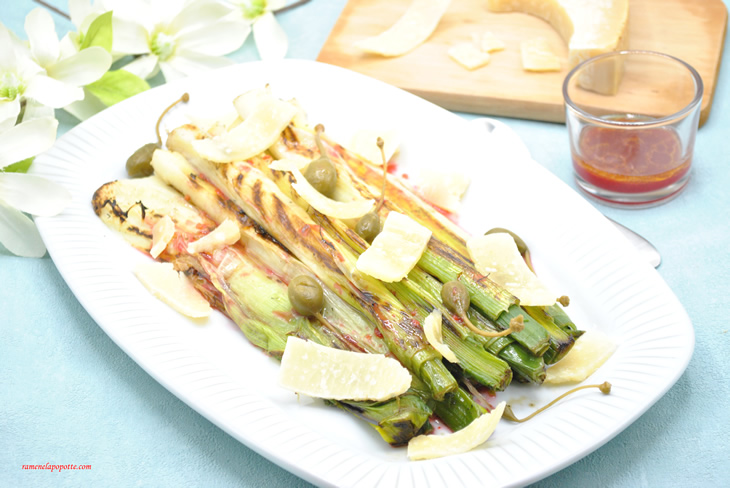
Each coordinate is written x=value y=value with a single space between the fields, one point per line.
x=521 y=246
x=138 y=164
x=455 y=297
x=305 y=295
x=322 y=175
x=368 y=227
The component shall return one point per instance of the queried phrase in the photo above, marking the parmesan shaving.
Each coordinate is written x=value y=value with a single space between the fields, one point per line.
x=538 y=56
x=466 y=439
x=260 y=130
x=162 y=234
x=496 y=255
x=364 y=143
x=434 y=335
x=334 y=374
x=225 y=234
x=589 y=352
x=443 y=189
x=173 y=288
x=327 y=206
x=396 y=250
x=468 y=55
x=410 y=31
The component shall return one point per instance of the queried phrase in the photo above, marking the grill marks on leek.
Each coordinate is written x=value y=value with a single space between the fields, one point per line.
x=255 y=296
x=262 y=201
x=447 y=251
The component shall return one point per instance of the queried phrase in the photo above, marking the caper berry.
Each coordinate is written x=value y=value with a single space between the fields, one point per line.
x=455 y=297
x=305 y=295
x=521 y=246
x=322 y=175
x=368 y=227
x=138 y=164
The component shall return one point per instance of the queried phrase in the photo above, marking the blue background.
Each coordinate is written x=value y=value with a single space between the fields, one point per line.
x=68 y=394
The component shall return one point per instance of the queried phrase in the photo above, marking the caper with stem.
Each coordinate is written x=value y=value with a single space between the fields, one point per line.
x=138 y=164
x=605 y=388
x=306 y=295
x=321 y=173
x=368 y=227
x=456 y=299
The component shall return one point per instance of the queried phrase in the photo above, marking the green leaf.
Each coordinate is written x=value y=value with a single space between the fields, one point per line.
x=116 y=86
x=20 y=166
x=99 y=33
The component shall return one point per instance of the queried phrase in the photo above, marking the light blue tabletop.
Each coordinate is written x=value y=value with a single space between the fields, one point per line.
x=68 y=394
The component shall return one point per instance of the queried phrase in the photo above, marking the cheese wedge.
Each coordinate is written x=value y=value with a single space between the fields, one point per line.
x=538 y=56
x=443 y=189
x=589 y=27
x=364 y=143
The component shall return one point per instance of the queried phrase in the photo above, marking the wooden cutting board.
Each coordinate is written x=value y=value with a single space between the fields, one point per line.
x=692 y=30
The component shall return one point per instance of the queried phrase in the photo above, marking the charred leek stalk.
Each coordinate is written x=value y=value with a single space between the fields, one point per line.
x=262 y=201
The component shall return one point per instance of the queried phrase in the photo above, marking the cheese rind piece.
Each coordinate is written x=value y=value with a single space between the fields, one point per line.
x=173 y=288
x=468 y=55
x=590 y=27
x=537 y=55
x=589 y=352
x=396 y=250
x=466 y=439
x=496 y=256
x=408 y=32
x=334 y=374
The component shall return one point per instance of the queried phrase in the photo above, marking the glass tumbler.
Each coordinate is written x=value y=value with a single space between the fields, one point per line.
x=632 y=118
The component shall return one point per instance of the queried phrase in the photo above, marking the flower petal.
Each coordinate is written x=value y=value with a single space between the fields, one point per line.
x=9 y=110
x=145 y=66
x=51 y=92
x=33 y=194
x=186 y=63
x=7 y=53
x=42 y=35
x=129 y=37
x=19 y=234
x=35 y=110
x=84 y=67
x=197 y=14
x=216 y=39
x=78 y=11
x=271 y=40
x=83 y=109
x=27 y=139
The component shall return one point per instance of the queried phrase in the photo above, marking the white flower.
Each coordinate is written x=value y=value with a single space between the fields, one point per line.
x=38 y=74
x=65 y=73
x=179 y=41
x=271 y=40
x=21 y=193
